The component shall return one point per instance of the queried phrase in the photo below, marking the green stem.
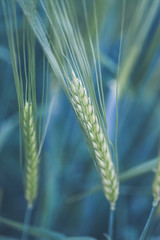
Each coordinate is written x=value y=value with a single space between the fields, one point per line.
x=111 y=223
x=148 y=223
x=26 y=223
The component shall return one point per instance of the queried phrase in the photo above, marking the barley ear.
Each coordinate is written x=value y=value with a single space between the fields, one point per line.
x=31 y=156
x=86 y=115
x=156 y=185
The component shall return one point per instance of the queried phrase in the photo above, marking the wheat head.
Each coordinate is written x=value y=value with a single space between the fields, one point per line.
x=31 y=155
x=156 y=185
x=86 y=114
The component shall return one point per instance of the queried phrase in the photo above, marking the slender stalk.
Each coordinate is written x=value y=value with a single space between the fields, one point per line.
x=111 y=223
x=27 y=219
x=148 y=223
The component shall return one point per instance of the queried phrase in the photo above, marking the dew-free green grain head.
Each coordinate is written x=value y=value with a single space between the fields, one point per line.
x=156 y=185
x=31 y=155
x=85 y=111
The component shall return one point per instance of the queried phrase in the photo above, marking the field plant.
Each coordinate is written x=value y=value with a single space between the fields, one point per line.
x=82 y=75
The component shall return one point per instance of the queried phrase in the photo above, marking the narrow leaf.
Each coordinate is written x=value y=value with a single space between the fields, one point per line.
x=138 y=170
x=80 y=238
x=34 y=231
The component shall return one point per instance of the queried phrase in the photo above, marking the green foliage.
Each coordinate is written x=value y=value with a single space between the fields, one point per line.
x=39 y=232
x=113 y=49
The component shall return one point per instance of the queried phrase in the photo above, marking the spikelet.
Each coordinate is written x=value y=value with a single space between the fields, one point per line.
x=156 y=185
x=86 y=113
x=31 y=157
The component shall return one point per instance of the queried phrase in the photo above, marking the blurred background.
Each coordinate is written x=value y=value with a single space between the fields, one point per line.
x=70 y=198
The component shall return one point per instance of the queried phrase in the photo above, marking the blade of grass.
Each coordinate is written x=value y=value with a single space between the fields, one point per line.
x=117 y=82
x=34 y=231
x=2 y=237
x=80 y=238
x=138 y=170
x=123 y=177
x=39 y=232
